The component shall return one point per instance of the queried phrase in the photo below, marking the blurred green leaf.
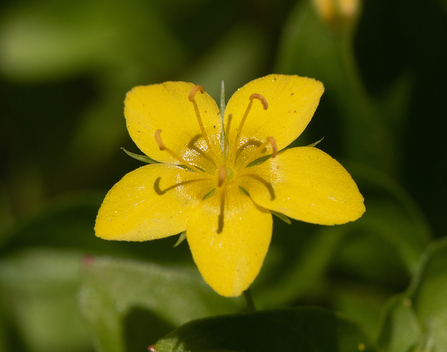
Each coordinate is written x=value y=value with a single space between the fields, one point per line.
x=38 y=290
x=6 y=215
x=100 y=133
x=419 y=316
x=119 y=297
x=68 y=223
x=429 y=296
x=400 y=330
x=384 y=246
x=312 y=47
x=393 y=214
x=300 y=274
x=50 y=39
x=302 y=329
x=236 y=59
x=359 y=301
x=353 y=268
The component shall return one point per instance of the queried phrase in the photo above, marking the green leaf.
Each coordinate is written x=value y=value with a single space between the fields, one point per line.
x=300 y=273
x=82 y=35
x=418 y=318
x=400 y=329
x=280 y=216
x=68 y=223
x=38 y=292
x=311 y=47
x=302 y=329
x=237 y=57
x=131 y=304
x=393 y=214
x=430 y=296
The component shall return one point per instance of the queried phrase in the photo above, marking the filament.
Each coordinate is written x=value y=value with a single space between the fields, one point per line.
x=162 y=147
x=241 y=124
x=258 y=151
x=220 y=219
x=191 y=98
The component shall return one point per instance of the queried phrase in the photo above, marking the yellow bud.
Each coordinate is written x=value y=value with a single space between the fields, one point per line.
x=337 y=11
x=348 y=8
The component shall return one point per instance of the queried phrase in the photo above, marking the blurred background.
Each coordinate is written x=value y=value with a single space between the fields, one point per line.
x=65 y=67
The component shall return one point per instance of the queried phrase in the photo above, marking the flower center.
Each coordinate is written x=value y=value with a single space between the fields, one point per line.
x=225 y=172
x=228 y=171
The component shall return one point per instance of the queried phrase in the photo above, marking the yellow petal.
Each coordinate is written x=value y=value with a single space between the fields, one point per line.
x=305 y=184
x=292 y=101
x=146 y=204
x=229 y=261
x=167 y=107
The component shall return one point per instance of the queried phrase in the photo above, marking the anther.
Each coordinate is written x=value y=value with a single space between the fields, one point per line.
x=272 y=142
x=159 y=141
x=222 y=174
x=194 y=91
x=264 y=103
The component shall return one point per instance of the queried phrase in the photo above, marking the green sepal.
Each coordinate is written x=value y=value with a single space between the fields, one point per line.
x=315 y=143
x=181 y=238
x=222 y=115
x=282 y=217
x=209 y=194
x=244 y=191
x=259 y=161
x=264 y=158
x=143 y=158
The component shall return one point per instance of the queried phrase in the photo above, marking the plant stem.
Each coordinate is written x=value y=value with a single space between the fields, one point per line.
x=249 y=299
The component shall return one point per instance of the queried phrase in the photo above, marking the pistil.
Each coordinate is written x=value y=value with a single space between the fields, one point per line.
x=222 y=174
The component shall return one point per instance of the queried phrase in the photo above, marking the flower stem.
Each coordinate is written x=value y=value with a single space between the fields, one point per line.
x=249 y=299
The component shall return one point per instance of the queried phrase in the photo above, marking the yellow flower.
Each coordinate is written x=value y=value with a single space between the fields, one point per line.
x=221 y=186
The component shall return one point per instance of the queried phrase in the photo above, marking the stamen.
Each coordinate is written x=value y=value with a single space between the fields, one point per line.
x=159 y=141
x=255 y=154
x=162 y=146
x=264 y=105
x=191 y=98
x=160 y=191
x=222 y=174
x=221 y=217
x=194 y=91
x=268 y=185
x=273 y=144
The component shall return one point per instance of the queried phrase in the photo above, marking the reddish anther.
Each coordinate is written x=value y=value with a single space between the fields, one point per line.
x=159 y=141
x=193 y=92
x=263 y=101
